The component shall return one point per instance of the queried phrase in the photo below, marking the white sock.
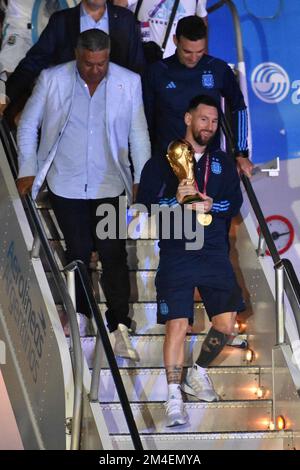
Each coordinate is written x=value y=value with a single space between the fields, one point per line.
x=174 y=391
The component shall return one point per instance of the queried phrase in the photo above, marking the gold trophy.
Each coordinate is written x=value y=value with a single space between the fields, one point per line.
x=180 y=155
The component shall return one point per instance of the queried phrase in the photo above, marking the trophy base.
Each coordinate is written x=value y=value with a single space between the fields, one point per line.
x=192 y=198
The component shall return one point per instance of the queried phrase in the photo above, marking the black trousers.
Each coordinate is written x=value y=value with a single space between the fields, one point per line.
x=77 y=220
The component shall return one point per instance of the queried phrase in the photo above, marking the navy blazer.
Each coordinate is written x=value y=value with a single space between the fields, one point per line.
x=57 y=43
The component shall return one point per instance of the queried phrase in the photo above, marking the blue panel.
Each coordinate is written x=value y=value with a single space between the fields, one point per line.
x=263 y=9
x=37 y=13
x=271 y=36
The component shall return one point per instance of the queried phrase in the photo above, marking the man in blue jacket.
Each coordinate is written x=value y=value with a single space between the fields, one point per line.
x=170 y=84
x=57 y=43
x=182 y=267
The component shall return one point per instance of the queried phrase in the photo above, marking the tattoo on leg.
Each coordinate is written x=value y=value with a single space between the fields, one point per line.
x=210 y=343
x=212 y=346
x=174 y=374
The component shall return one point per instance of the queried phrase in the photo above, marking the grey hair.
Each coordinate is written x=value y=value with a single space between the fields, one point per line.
x=93 y=40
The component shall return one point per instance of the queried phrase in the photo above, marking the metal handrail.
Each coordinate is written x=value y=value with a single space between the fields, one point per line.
x=286 y=278
x=228 y=133
x=292 y=289
x=215 y=6
x=237 y=24
x=261 y=220
x=40 y=238
x=252 y=197
x=81 y=269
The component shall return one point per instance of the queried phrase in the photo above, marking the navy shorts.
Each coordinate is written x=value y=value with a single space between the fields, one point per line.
x=180 y=272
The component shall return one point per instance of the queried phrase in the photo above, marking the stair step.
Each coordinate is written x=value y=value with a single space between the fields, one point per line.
x=143 y=315
x=141 y=285
x=271 y=440
x=232 y=416
x=150 y=349
x=149 y=384
x=50 y=224
x=142 y=254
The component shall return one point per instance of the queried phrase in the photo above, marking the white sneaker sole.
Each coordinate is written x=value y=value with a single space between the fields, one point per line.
x=177 y=422
x=190 y=391
x=133 y=357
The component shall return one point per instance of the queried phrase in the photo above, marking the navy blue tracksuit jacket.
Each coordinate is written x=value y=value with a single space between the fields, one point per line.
x=158 y=185
x=169 y=86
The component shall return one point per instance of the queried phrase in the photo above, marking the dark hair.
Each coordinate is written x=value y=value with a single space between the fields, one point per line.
x=202 y=99
x=192 y=28
x=93 y=40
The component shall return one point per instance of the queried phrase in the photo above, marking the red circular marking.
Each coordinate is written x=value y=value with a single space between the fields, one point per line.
x=291 y=230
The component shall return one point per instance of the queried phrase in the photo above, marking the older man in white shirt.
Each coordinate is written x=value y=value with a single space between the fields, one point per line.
x=88 y=111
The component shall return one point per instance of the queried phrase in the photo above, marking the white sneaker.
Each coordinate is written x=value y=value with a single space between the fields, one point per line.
x=86 y=327
x=199 y=384
x=176 y=414
x=123 y=346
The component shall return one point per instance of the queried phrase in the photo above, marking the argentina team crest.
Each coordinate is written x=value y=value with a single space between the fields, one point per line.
x=216 y=167
x=163 y=308
x=208 y=80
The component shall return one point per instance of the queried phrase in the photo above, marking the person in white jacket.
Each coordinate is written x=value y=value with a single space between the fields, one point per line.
x=88 y=111
x=154 y=17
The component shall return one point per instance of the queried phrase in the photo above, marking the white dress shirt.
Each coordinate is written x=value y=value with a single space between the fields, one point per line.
x=83 y=167
x=87 y=22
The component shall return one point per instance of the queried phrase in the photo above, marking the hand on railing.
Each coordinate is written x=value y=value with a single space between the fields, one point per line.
x=244 y=166
x=3 y=107
x=24 y=185
x=135 y=189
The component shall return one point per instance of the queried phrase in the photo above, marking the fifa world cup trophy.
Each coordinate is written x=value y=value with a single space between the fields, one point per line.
x=180 y=156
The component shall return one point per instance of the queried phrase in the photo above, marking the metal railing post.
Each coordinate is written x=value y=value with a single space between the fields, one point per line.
x=102 y=333
x=262 y=246
x=94 y=392
x=40 y=239
x=76 y=352
x=71 y=286
x=280 y=314
x=68 y=303
x=36 y=246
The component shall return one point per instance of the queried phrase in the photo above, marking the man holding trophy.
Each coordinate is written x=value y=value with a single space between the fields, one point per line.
x=191 y=177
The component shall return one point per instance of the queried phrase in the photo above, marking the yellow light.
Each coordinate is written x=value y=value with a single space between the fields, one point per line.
x=280 y=423
x=249 y=355
x=271 y=426
x=242 y=328
x=260 y=392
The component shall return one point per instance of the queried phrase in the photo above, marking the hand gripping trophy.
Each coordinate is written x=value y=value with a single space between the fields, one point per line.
x=180 y=155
